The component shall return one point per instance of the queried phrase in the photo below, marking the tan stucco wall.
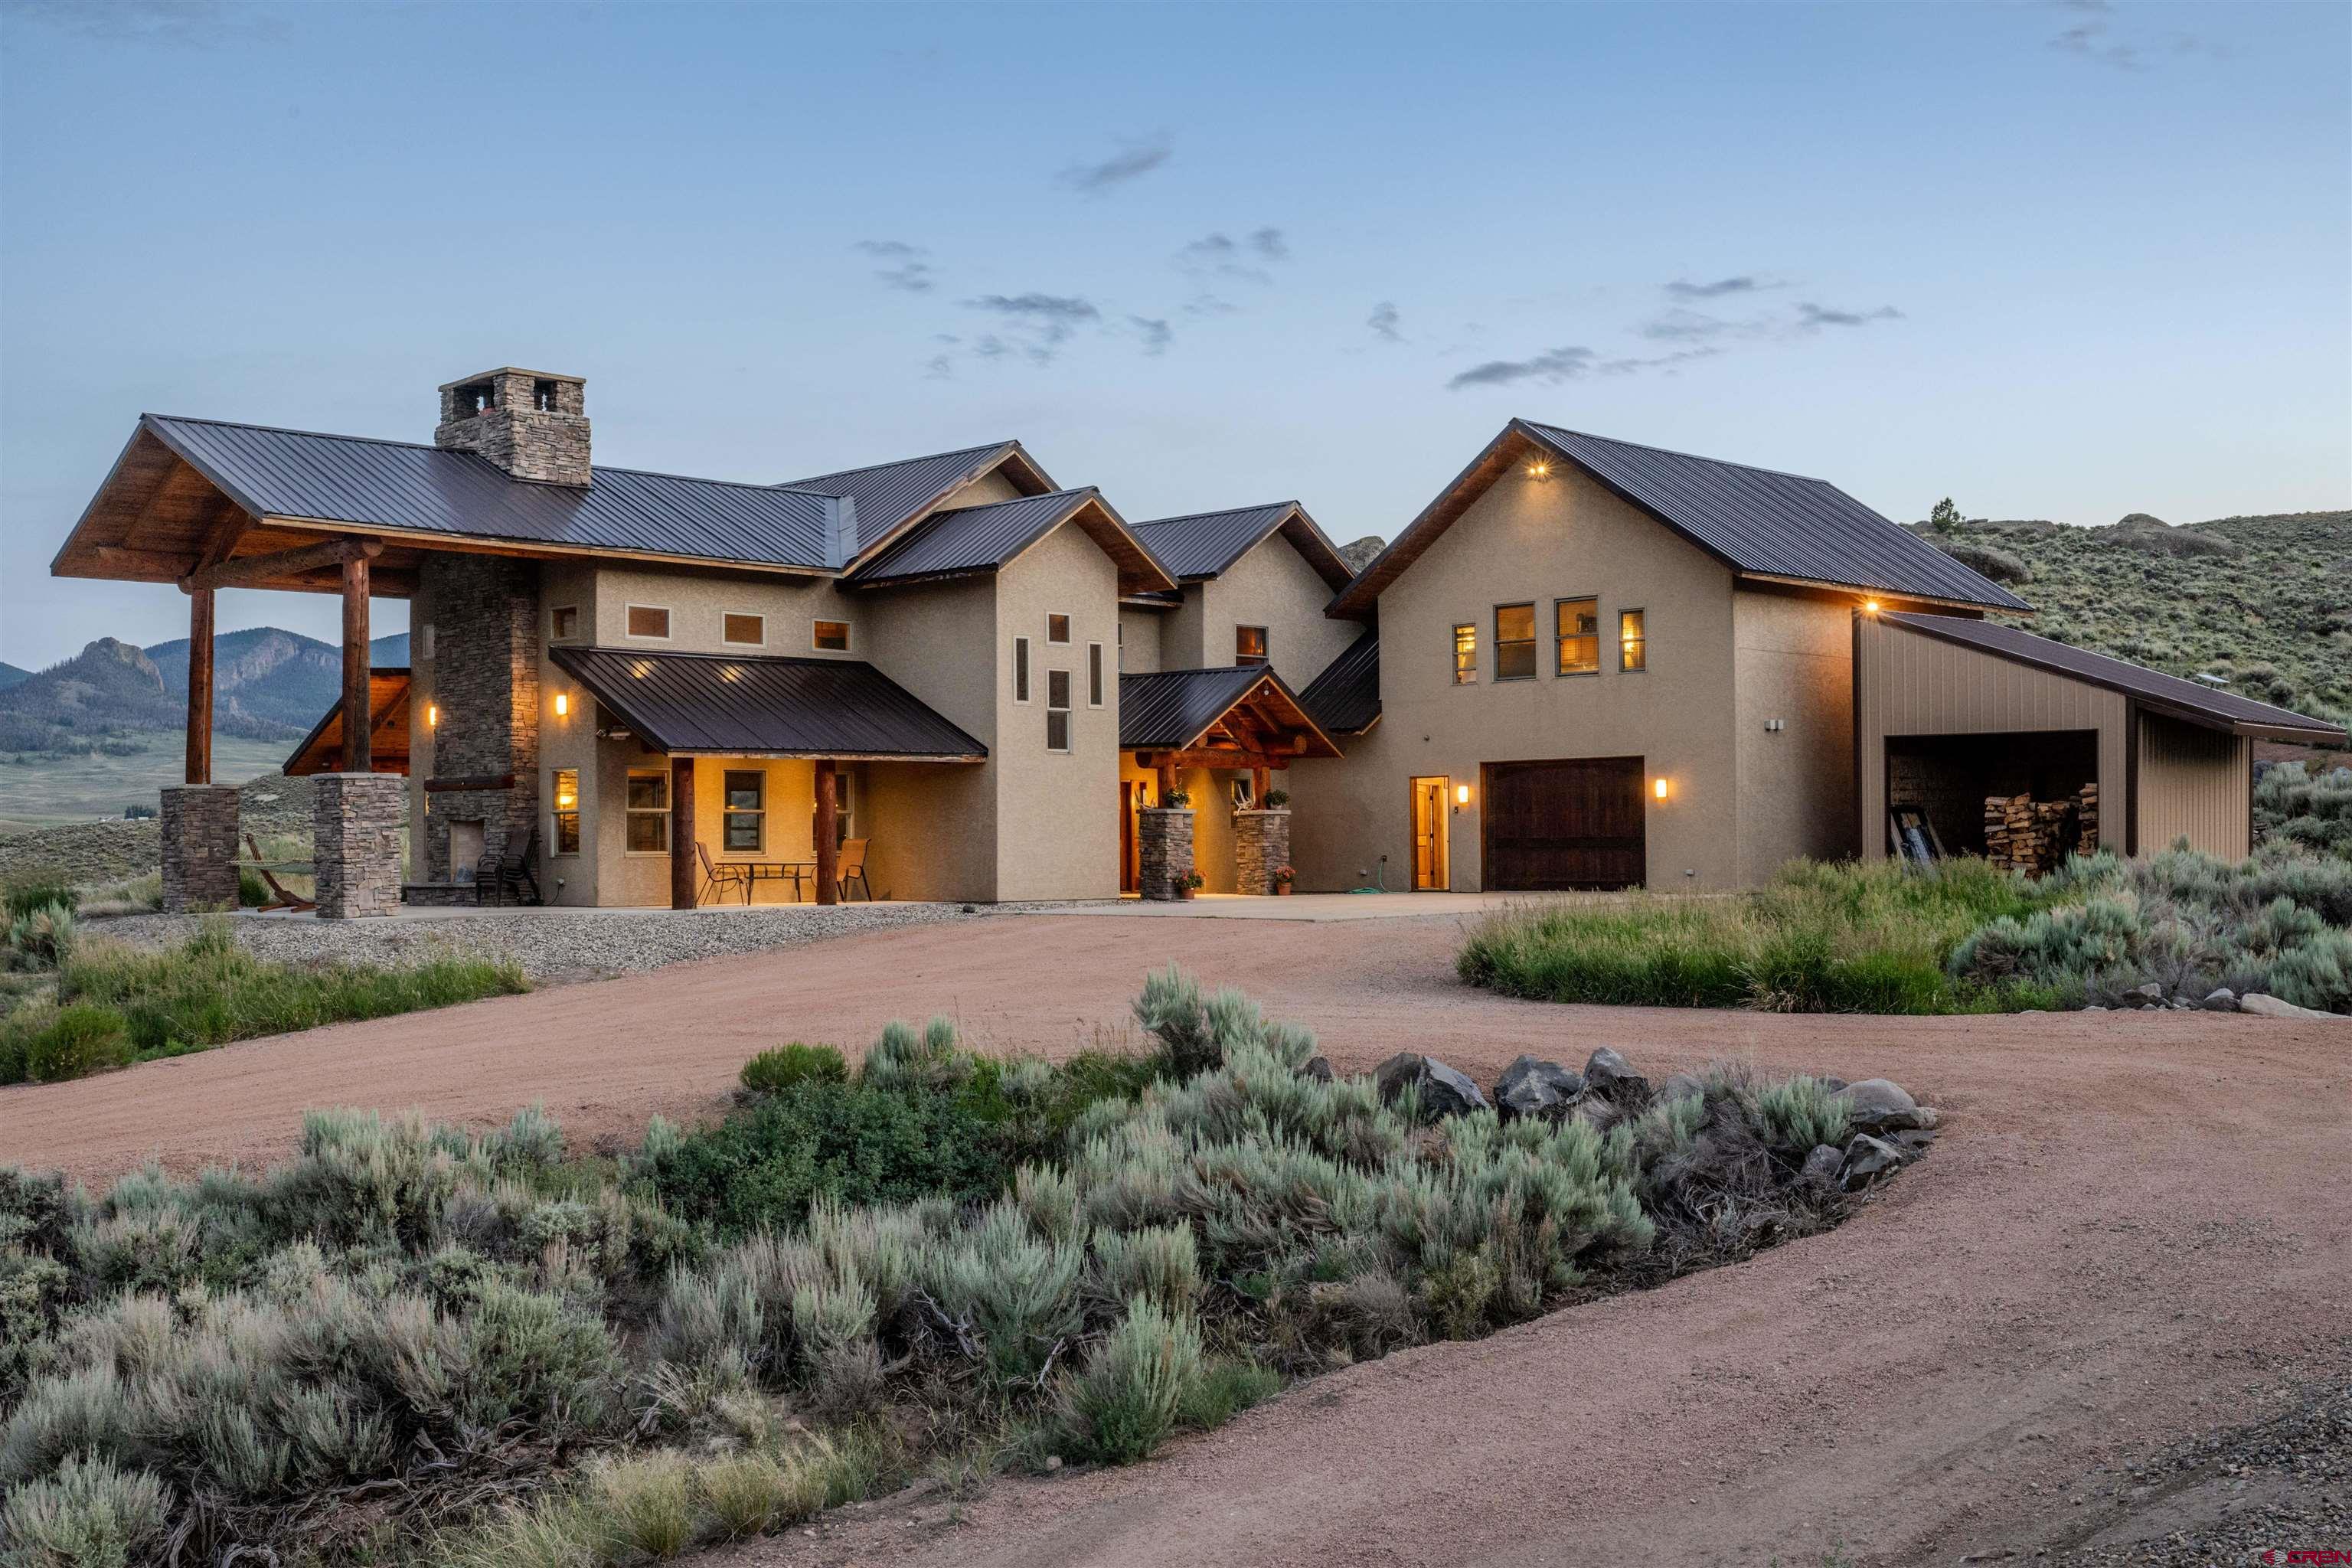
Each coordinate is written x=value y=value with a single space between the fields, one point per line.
x=992 y=486
x=699 y=603
x=2194 y=784
x=1794 y=663
x=1272 y=587
x=1541 y=540
x=1057 y=817
x=933 y=826
x=1139 y=653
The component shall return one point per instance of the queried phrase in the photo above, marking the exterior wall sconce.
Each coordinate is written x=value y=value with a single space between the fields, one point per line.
x=563 y=703
x=1538 y=469
x=1870 y=606
x=1658 y=788
x=432 y=715
x=1462 y=795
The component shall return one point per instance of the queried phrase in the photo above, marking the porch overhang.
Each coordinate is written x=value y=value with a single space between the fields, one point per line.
x=1242 y=717
x=321 y=751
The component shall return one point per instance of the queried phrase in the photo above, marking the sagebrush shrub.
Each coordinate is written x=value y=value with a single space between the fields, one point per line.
x=89 y=1513
x=1127 y=1401
x=785 y=1066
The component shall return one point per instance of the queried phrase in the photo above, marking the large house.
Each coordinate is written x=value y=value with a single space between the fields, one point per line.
x=1586 y=664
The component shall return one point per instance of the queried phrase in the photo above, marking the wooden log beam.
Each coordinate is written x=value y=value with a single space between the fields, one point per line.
x=828 y=830
x=1229 y=760
x=681 y=833
x=200 y=687
x=249 y=569
x=359 y=756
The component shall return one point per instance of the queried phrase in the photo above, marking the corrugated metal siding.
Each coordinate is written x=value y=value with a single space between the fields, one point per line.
x=398 y=484
x=1345 y=697
x=1171 y=707
x=766 y=706
x=887 y=494
x=2195 y=784
x=1908 y=683
x=972 y=538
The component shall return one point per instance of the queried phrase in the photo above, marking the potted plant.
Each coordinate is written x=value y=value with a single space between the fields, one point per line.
x=1175 y=800
x=1277 y=800
x=1282 y=876
x=1190 y=883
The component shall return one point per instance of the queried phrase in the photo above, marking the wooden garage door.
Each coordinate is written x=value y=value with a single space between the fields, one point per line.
x=1574 y=823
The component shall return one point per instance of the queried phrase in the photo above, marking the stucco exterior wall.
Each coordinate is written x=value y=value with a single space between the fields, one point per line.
x=1794 y=663
x=1272 y=587
x=699 y=602
x=2194 y=784
x=932 y=826
x=991 y=487
x=1056 y=825
x=1140 y=650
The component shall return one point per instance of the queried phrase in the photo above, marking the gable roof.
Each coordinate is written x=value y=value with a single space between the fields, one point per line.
x=966 y=541
x=396 y=488
x=891 y=496
x=2188 y=699
x=388 y=729
x=1174 y=710
x=1345 y=697
x=766 y=706
x=1205 y=544
x=1762 y=523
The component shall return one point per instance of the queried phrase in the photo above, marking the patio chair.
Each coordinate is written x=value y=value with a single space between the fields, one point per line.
x=502 y=872
x=719 y=878
x=279 y=898
x=851 y=867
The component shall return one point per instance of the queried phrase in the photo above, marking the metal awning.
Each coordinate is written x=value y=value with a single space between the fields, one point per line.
x=691 y=704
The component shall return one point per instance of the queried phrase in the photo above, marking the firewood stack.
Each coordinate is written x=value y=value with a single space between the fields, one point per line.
x=2086 y=819
x=2032 y=835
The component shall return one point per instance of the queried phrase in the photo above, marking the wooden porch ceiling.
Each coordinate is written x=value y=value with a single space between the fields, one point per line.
x=1264 y=729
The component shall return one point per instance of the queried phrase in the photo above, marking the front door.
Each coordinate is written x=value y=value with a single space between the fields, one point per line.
x=1430 y=873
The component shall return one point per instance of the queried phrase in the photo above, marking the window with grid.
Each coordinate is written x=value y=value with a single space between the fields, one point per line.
x=1249 y=645
x=1057 y=709
x=1514 y=642
x=1578 y=625
x=1465 y=654
x=1633 y=641
x=566 y=835
x=743 y=817
x=648 y=808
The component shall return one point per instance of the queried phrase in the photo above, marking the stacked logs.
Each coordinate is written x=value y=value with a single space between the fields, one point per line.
x=2032 y=835
x=2086 y=819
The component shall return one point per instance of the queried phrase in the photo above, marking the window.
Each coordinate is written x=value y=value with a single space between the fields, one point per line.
x=427 y=649
x=1122 y=645
x=1249 y=645
x=1058 y=628
x=1465 y=654
x=567 y=811
x=648 y=621
x=1094 y=675
x=1577 y=623
x=1057 y=709
x=564 y=623
x=743 y=823
x=831 y=636
x=1514 y=642
x=750 y=631
x=1632 y=642
x=1020 y=669
x=648 y=805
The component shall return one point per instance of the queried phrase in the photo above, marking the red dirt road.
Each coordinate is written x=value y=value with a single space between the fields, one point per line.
x=2133 y=1226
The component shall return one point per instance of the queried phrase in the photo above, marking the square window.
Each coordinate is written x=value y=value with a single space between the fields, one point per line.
x=566 y=798
x=749 y=631
x=1249 y=645
x=831 y=636
x=1633 y=641
x=1514 y=642
x=566 y=623
x=648 y=621
x=1576 y=624
x=1465 y=654
x=1058 y=628
x=744 y=823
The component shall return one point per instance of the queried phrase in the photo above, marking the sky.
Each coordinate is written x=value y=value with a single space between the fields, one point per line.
x=2067 y=260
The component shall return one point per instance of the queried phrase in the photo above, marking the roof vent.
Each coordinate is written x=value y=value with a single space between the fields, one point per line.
x=530 y=422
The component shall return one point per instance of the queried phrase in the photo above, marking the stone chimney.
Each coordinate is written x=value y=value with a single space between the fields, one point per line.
x=531 y=424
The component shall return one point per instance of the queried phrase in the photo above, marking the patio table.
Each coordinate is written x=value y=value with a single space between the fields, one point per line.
x=794 y=871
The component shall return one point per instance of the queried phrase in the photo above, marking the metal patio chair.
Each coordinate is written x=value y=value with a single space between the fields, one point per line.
x=717 y=879
x=851 y=867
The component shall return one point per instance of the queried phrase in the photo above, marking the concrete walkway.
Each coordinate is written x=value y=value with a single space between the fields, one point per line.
x=1315 y=907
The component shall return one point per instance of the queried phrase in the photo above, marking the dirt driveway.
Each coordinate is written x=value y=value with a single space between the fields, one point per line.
x=2135 y=1227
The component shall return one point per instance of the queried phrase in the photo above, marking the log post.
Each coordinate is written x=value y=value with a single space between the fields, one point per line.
x=200 y=687
x=681 y=833
x=1260 y=784
x=827 y=830
x=359 y=752
x=1167 y=782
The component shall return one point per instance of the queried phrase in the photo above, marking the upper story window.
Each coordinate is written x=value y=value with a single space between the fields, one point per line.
x=564 y=623
x=749 y=631
x=1578 y=627
x=1094 y=675
x=1057 y=709
x=1514 y=642
x=830 y=636
x=1633 y=641
x=1020 y=669
x=1058 y=628
x=1249 y=645
x=649 y=621
x=1465 y=653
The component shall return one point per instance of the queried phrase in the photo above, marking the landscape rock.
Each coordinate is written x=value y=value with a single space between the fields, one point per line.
x=1823 y=1165
x=2221 y=999
x=1444 y=1091
x=2262 y=1005
x=1681 y=1086
x=1608 y=1074
x=1877 y=1105
x=2152 y=991
x=1867 y=1159
x=1316 y=1068
x=1530 y=1087
x=1390 y=1077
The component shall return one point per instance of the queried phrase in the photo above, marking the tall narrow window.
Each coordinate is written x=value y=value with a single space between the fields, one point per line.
x=648 y=807
x=567 y=811
x=1514 y=642
x=1058 y=628
x=1020 y=669
x=748 y=631
x=648 y=621
x=1577 y=623
x=1465 y=654
x=1094 y=675
x=1057 y=709
x=744 y=822
x=830 y=636
x=1122 y=645
x=1632 y=642
x=1249 y=645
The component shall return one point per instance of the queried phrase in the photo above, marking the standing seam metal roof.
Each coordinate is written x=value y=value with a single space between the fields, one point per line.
x=887 y=494
x=430 y=489
x=1204 y=544
x=764 y=706
x=972 y=538
x=1345 y=697
x=1171 y=707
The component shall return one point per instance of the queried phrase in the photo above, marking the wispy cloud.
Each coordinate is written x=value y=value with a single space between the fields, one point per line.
x=1383 y=321
x=1680 y=326
x=182 y=23
x=1157 y=333
x=1744 y=284
x=1220 y=255
x=1206 y=304
x=1094 y=179
x=906 y=267
x=1270 y=243
x=1045 y=320
x=2095 y=36
x=1553 y=366
x=1810 y=317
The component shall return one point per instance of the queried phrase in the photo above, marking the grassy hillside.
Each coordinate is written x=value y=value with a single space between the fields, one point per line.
x=2264 y=601
x=39 y=790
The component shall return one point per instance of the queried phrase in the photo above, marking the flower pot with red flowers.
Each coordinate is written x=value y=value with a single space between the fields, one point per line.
x=1189 y=884
x=1284 y=876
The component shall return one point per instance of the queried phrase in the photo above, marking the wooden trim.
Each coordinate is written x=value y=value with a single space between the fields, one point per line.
x=1889 y=599
x=359 y=731
x=200 y=687
x=475 y=544
x=466 y=784
x=826 y=829
x=1231 y=760
x=246 y=570
x=813 y=756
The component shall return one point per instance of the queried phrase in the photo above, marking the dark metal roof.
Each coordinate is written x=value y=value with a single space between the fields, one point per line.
x=1345 y=697
x=1171 y=707
x=2188 y=699
x=768 y=706
x=972 y=538
x=404 y=486
x=1206 y=545
x=889 y=494
x=1775 y=524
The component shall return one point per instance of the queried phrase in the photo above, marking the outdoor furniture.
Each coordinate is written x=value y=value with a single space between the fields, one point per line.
x=279 y=898
x=850 y=869
x=794 y=871
x=719 y=878
x=500 y=872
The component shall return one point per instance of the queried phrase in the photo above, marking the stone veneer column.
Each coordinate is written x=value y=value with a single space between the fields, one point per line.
x=1163 y=849
x=1261 y=843
x=199 y=824
x=357 y=819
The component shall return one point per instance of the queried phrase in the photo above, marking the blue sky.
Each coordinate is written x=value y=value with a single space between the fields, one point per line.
x=2055 y=260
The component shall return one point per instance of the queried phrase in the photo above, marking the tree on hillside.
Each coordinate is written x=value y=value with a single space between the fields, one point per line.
x=1945 y=517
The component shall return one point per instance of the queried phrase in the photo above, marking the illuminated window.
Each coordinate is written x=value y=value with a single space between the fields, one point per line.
x=1514 y=642
x=566 y=619
x=1020 y=669
x=1465 y=654
x=1057 y=709
x=648 y=621
x=567 y=811
x=831 y=636
x=1058 y=628
x=750 y=631
x=742 y=826
x=1578 y=625
x=1632 y=643
x=1249 y=645
x=649 y=806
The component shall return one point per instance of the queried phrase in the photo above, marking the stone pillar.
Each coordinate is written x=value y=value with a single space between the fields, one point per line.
x=356 y=819
x=1261 y=843
x=199 y=824
x=1163 y=850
